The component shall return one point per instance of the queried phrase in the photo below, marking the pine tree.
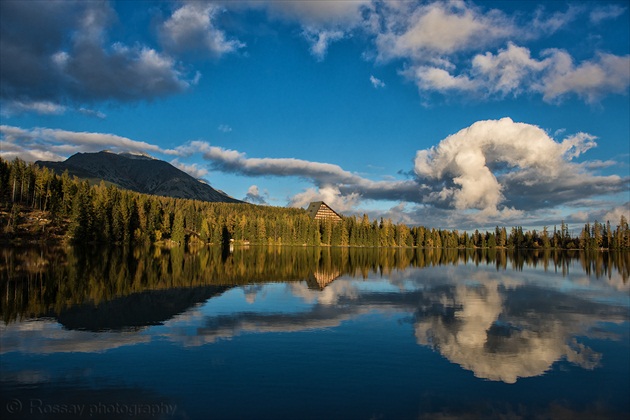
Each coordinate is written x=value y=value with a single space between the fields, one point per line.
x=178 y=233
x=492 y=242
x=81 y=228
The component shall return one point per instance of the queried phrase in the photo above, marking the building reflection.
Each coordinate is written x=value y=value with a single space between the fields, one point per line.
x=321 y=278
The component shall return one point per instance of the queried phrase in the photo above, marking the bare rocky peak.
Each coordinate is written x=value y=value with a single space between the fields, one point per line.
x=138 y=172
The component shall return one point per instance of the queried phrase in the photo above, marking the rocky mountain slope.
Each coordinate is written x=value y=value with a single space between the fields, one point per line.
x=140 y=173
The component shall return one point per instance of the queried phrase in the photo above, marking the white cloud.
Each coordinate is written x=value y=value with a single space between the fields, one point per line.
x=93 y=113
x=609 y=11
x=512 y=71
x=591 y=80
x=614 y=215
x=192 y=27
x=193 y=169
x=254 y=195
x=509 y=71
x=399 y=214
x=10 y=151
x=501 y=166
x=437 y=79
x=444 y=47
x=10 y=108
x=320 y=40
x=234 y=161
x=224 y=128
x=438 y=28
x=317 y=13
x=546 y=23
x=330 y=194
x=329 y=178
x=600 y=164
x=57 y=144
x=377 y=83
x=322 y=22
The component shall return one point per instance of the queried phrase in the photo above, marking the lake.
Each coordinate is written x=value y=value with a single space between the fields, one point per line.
x=313 y=333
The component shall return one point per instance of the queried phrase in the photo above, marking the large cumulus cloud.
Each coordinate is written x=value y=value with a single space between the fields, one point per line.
x=499 y=164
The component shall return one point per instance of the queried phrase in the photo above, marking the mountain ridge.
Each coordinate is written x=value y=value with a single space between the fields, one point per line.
x=140 y=173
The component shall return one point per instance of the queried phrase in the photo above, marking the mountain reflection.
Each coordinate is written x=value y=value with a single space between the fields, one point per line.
x=137 y=310
x=502 y=317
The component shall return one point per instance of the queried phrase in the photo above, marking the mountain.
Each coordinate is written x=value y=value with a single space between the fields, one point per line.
x=140 y=173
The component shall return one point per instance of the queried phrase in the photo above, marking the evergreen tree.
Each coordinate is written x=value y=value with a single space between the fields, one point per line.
x=546 y=242
x=492 y=242
x=178 y=232
x=81 y=228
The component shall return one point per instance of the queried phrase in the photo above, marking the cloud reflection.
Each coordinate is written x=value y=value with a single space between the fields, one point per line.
x=45 y=336
x=485 y=337
x=499 y=325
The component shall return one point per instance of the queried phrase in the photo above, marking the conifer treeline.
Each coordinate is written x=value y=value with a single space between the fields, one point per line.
x=102 y=213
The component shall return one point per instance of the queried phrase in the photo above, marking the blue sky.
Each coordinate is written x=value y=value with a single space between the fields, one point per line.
x=456 y=115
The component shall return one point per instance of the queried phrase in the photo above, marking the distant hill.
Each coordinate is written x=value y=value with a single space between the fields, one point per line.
x=140 y=173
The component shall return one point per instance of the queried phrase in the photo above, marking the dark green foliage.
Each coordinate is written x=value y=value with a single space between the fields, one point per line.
x=179 y=234
x=99 y=213
x=82 y=225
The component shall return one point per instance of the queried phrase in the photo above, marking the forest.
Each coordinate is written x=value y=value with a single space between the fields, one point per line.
x=101 y=213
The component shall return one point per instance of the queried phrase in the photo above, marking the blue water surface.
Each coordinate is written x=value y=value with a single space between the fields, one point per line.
x=447 y=341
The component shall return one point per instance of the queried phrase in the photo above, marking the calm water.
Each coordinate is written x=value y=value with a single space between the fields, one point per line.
x=313 y=333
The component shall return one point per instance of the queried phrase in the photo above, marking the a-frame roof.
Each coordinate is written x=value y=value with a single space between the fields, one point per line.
x=315 y=206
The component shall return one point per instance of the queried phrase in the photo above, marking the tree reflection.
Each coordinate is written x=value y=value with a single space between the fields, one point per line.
x=46 y=281
x=502 y=316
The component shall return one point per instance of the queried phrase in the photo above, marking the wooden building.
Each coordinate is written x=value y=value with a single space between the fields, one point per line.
x=318 y=210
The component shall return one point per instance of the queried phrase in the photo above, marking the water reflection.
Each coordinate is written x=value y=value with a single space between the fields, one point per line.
x=478 y=328
x=37 y=282
x=501 y=316
x=46 y=336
